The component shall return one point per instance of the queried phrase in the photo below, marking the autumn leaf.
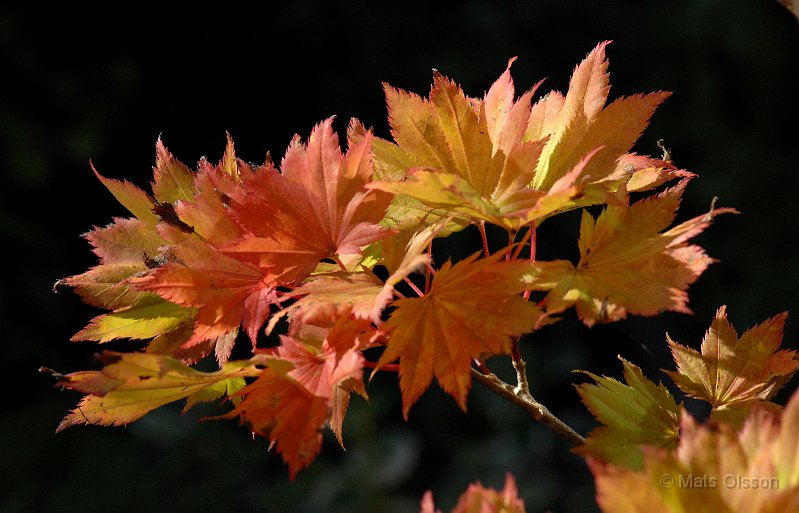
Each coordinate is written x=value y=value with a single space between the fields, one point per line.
x=307 y=381
x=504 y=161
x=133 y=384
x=318 y=204
x=580 y=122
x=173 y=180
x=478 y=499
x=138 y=202
x=461 y=155
x=361 y=294
x=471 y=310
x=225 y=291
x=208 y=211
x=629 y=262
x=713 y=469
x=122 y=248
x=149 y=317
x=318 y=366
x=278 y=408
x=638 y=413
x=731 y=373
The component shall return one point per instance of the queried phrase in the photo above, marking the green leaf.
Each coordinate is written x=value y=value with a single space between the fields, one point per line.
x=149 y=317
x=638 y=413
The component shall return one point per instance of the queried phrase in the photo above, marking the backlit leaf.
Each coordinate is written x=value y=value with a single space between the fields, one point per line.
x=133 y=384
x=150 y=316
x=629 y=262
x=638 y=413
x=731 y=373
x=471 y=310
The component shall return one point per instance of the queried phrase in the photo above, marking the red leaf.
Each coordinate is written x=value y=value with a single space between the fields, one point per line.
x=282 y=410
x=318 y=204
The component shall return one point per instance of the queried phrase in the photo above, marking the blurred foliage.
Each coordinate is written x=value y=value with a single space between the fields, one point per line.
x=102 y=85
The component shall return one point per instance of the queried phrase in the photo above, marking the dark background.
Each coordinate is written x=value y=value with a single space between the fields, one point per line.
x=103 y=85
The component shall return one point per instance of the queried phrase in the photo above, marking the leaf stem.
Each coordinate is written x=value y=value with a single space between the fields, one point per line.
x=482 y=366
x=533 y=243
x=390 y=367
x=340 y=263
x=538 y=411
x=428 y=276
x=518 y=250
x=414 y=287
x=483 y=236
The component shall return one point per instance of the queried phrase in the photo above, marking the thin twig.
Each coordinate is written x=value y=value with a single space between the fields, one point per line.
x=538 y=411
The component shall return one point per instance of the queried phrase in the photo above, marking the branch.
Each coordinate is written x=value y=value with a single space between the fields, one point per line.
x=538 y=411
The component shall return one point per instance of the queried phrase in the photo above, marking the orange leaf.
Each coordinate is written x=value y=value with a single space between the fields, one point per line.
x=732 y=373
x=478 y=499
x=279 y=408
x=628 y=264
x=226 y=291
x=472 y=310
x=319 y=207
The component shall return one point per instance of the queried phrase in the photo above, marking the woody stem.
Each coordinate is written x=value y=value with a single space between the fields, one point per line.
x=538 y=411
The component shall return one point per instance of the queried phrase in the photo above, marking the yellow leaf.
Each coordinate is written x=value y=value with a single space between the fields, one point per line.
x=137 y=383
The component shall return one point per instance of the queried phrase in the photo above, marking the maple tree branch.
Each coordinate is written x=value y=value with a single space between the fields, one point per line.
x=522 y=386
x=538 y=411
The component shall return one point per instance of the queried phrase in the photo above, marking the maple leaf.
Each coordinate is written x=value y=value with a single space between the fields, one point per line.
x=466 y=156
x=318 y=203
x=506 y=162
x=277 y=407
x=133 y=384
x=289 y=403
x=628 y=264
x=225 y=291
x=148 y=317
x=173 y=180
x=361 y=294
x=713 y=469
x=122 y=249
x=471 y=310
x=318 y=366
x=478 y=499
x=634 y=414
x=138 y=202
x=731 y=373
x=207 y=213
x=580 y=122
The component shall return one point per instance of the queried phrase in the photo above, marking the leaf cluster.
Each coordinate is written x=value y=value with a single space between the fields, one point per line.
x=341 y=244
